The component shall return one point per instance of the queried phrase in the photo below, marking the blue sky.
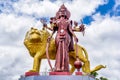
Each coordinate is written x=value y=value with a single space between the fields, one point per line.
x=101 y=40
x=103 y=9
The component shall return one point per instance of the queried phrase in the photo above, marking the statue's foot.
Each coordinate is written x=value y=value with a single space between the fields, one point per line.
x=62 y=68
x=58 y=69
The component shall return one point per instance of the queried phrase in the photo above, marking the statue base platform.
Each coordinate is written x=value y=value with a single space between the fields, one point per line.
x=31 y=73
x=78 y=73
x=57 y=77
x=59 y=73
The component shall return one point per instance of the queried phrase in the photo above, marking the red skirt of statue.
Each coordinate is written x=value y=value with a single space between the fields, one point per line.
x=62 y=41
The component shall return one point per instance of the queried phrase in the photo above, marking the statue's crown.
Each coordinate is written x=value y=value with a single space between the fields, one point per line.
x=62 y=7
x=63 y=11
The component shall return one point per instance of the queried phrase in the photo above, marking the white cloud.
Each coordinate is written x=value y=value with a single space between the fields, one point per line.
x=116 y=8
x=14 y=27
x=40 y=8
x=14 y=62
x=81 y=8
x=78 y=8
x=12 y=23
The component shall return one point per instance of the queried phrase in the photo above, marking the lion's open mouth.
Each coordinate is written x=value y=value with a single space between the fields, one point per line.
x=35 y=32
x=35 y=37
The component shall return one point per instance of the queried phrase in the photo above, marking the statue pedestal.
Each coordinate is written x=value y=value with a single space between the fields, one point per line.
x=78 y=73
x=31 y=73
x=57 y=77
x=59 y=73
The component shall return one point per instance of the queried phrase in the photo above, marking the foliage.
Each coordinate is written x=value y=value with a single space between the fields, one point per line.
x=95 y=74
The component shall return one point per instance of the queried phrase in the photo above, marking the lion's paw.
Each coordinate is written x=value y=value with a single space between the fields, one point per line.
x=33 y=70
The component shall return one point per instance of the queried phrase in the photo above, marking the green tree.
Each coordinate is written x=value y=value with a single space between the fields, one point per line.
x=103 y=78
x=95 y=74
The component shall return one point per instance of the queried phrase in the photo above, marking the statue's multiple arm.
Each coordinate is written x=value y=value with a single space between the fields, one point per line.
x=52 y=24
x=78 y=29
x=71 y=31
x=53 y=27
x=50 y=28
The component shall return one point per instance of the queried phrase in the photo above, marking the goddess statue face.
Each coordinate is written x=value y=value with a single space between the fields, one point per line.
x=63 y=12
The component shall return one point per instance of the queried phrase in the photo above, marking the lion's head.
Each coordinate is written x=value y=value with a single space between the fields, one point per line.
x=35 y=38
x=33 y=35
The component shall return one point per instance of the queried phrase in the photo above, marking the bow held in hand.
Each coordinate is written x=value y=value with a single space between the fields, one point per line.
x=76 y=39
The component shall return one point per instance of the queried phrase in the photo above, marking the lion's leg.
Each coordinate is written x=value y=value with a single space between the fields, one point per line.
x=83 y=56
x=36 y=63
x=86 y=64
x=86 y=67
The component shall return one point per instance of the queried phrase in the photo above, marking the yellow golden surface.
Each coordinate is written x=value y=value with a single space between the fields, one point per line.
x=36 y=40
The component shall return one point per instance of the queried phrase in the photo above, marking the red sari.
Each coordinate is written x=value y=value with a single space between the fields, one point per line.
x=62 y=41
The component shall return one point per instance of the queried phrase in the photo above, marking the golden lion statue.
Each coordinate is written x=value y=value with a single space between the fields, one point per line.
x=36 y=40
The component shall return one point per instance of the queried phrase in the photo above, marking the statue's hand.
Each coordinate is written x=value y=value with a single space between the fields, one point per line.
x=75 y=23
x=82 y=28
x=49 y=38
x=44 y=25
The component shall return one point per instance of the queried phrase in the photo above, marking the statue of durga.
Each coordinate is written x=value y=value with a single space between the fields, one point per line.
x=64 y=38
x=62 y=49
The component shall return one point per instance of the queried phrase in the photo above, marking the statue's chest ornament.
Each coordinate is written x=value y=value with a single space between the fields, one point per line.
x=62 y=30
